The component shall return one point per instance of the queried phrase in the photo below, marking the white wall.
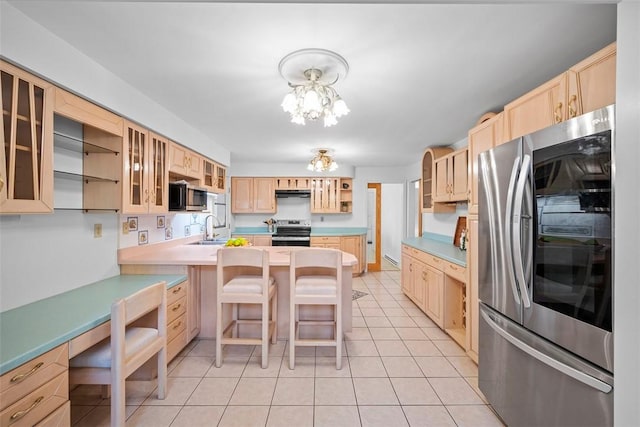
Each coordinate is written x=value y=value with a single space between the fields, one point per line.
x=627 y=231
x=391 y=219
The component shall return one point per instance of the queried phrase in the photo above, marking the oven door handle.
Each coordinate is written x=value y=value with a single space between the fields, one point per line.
x=516 y=218
x=546 y=359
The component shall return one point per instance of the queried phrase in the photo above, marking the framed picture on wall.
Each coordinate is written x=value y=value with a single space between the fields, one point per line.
x=143 y=237
x=160 y=222
x=133 y=223
x=168 y=233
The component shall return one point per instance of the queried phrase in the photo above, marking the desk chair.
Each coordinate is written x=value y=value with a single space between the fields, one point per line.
x=243 y=278
x=112 y=360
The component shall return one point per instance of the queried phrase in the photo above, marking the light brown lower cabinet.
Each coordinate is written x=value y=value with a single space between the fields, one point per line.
x=439 y=288
x=34 y=392
x=473 y=307
x=355 y=245
x=256 y=239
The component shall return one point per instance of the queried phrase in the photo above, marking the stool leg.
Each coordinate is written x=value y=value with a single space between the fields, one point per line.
x=338 y=317
x=292 y=334
x=265 y=332
x=274 y=317
x=219 y=335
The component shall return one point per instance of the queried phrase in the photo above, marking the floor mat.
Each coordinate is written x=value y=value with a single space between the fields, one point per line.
x=358 y=294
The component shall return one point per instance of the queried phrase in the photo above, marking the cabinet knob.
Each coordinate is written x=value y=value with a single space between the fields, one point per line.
x=146 y=196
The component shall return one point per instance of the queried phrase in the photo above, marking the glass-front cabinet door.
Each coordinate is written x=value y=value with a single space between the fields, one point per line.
x=26 y=162
x=135 y=185
x=158 y=174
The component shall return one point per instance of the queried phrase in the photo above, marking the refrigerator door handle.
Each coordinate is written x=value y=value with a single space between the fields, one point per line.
x=516 y=250
x=547 y=360
x=508 y=227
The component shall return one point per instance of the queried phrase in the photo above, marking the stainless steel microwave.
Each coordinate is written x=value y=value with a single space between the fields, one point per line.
x=185 y=197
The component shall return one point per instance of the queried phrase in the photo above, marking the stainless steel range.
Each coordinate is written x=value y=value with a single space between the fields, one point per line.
x=292 y=232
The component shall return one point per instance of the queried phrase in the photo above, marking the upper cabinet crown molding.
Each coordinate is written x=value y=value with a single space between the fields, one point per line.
x=83 y=111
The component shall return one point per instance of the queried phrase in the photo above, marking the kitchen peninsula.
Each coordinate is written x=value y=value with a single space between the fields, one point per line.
x=199 y=262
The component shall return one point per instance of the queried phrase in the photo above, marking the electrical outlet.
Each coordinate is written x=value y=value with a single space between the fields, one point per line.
x=125 y=227
x=97 y=230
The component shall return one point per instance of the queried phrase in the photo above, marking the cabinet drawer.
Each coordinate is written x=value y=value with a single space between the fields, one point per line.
x=177 y=292
x=38 y=404
x=432 y=261
x=174 y=328
x=31 y=375
x=456 y=271
x=176 y=309
x=176 y=345
x=323 y=240
x=61 y=417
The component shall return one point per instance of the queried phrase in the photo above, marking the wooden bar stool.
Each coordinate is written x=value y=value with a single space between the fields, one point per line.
x=111 y=361
x=315 y=279
x=243 y=278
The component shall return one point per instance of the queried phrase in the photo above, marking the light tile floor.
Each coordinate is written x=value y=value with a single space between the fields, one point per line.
x=399 y=369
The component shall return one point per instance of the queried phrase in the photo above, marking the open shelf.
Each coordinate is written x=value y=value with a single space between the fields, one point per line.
x=80 y=177
x=78 y=145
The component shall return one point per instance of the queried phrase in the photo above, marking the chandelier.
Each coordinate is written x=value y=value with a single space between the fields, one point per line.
x=322 y=162
x=311 y=74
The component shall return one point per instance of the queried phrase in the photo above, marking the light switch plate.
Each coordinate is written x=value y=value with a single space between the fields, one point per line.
x=125 y=227
x=97 y=230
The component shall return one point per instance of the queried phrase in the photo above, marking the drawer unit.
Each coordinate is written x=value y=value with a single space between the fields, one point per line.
x=456 y=271
x=176 y=309
x=177 y=292
x=176 y=327
x=38 y=404
x=176 y=345
x=325 y=240
x=61 y=417
x=24 y=379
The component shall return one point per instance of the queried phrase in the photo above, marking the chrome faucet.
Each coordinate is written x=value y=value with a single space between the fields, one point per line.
x=206 y=229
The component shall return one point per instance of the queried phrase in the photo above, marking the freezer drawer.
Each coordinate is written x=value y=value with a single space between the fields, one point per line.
x=531 y=382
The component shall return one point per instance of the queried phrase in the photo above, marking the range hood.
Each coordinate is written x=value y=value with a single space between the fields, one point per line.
x=293 y=193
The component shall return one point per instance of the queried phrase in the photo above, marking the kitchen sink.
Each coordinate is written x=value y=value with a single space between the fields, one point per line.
x=210 y=242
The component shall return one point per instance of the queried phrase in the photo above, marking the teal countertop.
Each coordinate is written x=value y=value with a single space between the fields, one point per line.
x=438 y=246
x=31 y=330
x=337 y=231
x=251 y=230
x=315 y=231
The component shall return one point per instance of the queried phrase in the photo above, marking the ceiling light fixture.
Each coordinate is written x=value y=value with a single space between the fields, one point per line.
x=311 y=74
x=322 y=162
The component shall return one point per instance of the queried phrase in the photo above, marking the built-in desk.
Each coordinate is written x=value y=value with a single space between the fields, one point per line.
x=31 y=330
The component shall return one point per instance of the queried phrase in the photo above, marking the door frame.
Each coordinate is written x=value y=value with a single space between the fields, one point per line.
x=377 y=265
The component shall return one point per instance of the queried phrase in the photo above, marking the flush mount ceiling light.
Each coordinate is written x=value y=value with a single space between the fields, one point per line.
x=311 y=74
x=322 y=162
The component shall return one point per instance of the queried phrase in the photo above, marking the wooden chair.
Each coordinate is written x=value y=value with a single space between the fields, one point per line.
x=111 y=361
x=243 y=278
x=315 y=279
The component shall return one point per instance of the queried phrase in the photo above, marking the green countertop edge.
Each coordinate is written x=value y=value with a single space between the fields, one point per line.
x=31 y=330
x=315 y=231
x=338 y=231
x=438 y=248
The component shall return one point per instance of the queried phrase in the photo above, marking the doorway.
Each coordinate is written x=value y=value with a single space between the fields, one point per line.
x=374 y=207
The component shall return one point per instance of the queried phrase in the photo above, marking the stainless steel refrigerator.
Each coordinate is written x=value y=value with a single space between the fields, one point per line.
x=545 y=275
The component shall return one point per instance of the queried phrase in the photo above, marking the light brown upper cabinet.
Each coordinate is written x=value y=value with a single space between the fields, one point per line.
x=213 y=176
x=293 y=183
x=483 y=137
x=145 y=186
x=26 y=160
x=451 y=177
x=83 y=111
x=264 y=193
x=184 y=162
x=325 y=195
x=253 y=195
x=585 y=87
x=427 y=188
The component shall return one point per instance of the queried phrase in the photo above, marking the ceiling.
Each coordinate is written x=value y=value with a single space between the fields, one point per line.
x=419 y=74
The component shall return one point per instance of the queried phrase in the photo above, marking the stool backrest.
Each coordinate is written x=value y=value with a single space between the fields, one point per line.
x=242 y=261
x=323 y=261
